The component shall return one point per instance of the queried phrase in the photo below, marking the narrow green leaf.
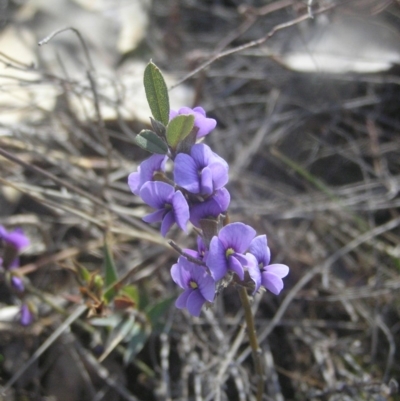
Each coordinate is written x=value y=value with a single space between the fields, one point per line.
x=118 y=334
x=150 y=141
x=135 y=344
x=83 y=273
x=110 y=273
x=179 y=128
x=109 y=321
x=156 y=93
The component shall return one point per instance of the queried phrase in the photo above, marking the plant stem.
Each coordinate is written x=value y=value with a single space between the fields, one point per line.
x=256 y=351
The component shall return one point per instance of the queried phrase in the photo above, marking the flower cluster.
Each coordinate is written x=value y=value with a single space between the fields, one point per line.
x=196 y=193
x=13 y=243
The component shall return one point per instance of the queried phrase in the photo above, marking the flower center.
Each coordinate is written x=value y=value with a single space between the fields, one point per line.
x=193 y=284
x=229 y=252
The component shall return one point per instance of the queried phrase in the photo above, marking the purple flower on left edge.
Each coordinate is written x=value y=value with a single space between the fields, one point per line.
x=270 y=276
x=205 y=125
x=14 y=242
x=171 y=205
x=17 y=239
x=198 y=285
x=201 y=172
x=146 y=172
x=227 y=250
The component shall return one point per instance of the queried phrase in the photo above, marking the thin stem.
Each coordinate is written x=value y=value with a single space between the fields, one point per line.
x=256 y=351
x=186 y=255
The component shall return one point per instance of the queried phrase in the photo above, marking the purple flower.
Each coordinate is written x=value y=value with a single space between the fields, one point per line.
x=198 y=285
x=210 y=208
x=271 y=275
x=26 y=316
x=201 y=248
x=17 y=283
x=204 y=124
x=227 y=250
x=17 y=239
x=14 y=242
x=201 y=172
x=146 y=172
x=171 y=205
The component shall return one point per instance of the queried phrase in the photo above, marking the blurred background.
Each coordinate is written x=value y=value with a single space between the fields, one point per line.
x=308 y=119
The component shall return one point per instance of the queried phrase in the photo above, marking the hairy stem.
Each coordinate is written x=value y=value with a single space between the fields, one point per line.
x=256 y=351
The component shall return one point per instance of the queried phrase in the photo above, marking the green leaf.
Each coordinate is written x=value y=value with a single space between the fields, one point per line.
x=179 y=128
x=158 y=128
x=132 y=292
x=108 y=321
x=156 y=93
x=83 y=273
x=118 y=334
x=135 y=344
x=110 y=273
x=150 y=141
x=185 y=145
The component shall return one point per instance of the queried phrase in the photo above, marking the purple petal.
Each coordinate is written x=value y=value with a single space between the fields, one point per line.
x=154 y=217
x=207 y=187
x=195 y=302
x=180 y=275
x=220 y=175
x=134 y=181
x=17 y=239
x=168 y=221
x=186 y=174
x=156 y=194
x=181 y=301
x=204 y=124
x=216 y=259
x=192 y=253
x=146 y=172
x=185 y=110
x=212 y=207
x=206 y=285
x=26 y=317
x=201 y=154
x=222 y=198
x=271 y=282
x=201 y=247
x=150 y=166
x=215 y=158
x=200 y=110
x=181 y=210
x=236 y=267
x=277 y=269
x=17 y=283
x=242 y=259
x=237 y=236
x=254 y=271
x=259 y=248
